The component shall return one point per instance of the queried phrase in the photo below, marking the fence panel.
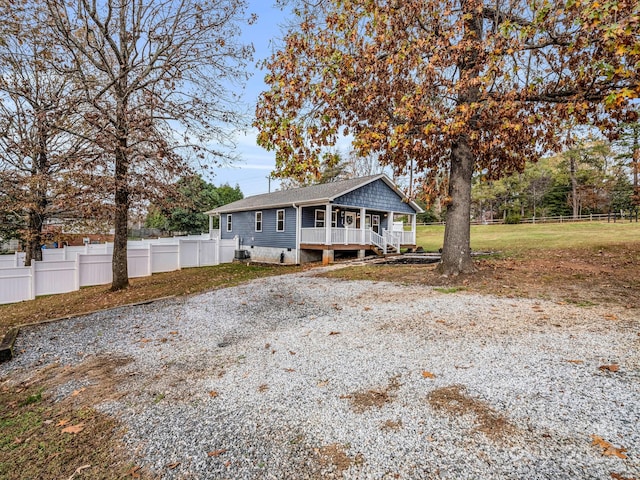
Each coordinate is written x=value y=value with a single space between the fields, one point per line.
x=95 y=269
x=55 y=276
x=189 y=253
x=208 y=252
x=165 y=258
x=13 y=260
x=138 y=264
x=15 y=284
x=53 y=254
x=227 y=250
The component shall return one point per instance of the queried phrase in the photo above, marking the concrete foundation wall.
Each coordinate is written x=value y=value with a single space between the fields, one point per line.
x=271 y=255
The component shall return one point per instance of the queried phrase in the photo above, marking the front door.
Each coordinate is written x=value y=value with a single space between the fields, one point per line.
x=375 y=223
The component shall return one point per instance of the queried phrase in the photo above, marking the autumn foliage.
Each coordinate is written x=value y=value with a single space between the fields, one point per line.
x=452 y=87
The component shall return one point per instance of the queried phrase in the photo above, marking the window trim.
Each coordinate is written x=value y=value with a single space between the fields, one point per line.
x=256 y=222
x=229 y=222
x=317 y=222
x=278 y=229
x=334 y=219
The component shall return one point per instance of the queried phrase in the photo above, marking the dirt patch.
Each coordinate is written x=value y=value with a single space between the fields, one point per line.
x=454 y=401
x=375 y=398
x=334 y=458
x=394 y=425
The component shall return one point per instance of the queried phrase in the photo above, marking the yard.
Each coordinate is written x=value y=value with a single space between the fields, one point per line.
x=527 y=366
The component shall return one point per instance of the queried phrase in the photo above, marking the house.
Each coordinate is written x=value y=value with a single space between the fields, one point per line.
x=320 y=222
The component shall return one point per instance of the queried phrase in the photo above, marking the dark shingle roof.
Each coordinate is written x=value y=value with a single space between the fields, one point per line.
x=321 y=193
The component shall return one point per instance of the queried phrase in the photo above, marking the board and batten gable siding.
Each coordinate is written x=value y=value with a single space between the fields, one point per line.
x=375 y=196
x=244 y=226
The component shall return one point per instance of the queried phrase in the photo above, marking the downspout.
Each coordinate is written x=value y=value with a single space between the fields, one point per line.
x=298 y=232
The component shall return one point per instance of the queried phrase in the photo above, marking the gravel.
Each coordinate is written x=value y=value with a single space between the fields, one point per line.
x=299 y=376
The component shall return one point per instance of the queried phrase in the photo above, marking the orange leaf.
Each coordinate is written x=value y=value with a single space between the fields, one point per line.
x=173 y=465
x=78 y=392
x=608 y=449
x=291 y=352
x=134 y=472
x=334 y=333
x=62 y=422
x=611 y=368
x=577 y=362
x=426 y=374
x=611 y=316
x=173 y=333
x=74 y=428
x=217 y=453
x=213 y=394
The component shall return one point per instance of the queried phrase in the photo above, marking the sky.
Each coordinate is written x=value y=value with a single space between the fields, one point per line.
x=250 y=172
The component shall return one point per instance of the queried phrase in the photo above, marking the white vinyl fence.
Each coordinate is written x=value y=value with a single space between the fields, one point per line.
x=67 y=269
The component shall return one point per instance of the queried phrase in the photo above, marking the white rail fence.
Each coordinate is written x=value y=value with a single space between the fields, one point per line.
x=67 y=269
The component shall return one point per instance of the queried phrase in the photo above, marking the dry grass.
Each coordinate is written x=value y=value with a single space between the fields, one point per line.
x=607 y=275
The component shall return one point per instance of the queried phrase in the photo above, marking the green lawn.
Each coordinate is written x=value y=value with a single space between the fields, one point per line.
x=516 y=239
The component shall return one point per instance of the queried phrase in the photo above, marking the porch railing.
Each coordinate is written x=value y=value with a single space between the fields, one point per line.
x=356 y=236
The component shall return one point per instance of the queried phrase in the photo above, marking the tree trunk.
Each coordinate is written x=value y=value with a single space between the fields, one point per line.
x=119 y=263
x=456 y=252
x=574 y=187
x=34 y=240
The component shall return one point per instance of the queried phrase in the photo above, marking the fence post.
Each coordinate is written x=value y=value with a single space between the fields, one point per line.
x=77 y=272
x=150 y=250
x=32 y=272
x=16 y=259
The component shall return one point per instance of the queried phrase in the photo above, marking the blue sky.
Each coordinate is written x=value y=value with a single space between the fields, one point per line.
x=250 y=172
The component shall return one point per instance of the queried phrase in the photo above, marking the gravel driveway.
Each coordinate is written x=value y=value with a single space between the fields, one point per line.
x=297 y=377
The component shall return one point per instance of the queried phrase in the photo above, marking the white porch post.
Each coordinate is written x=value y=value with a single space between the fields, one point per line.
x=413 y=229
x=362 y=222
x=210 y=227
x=327 y=224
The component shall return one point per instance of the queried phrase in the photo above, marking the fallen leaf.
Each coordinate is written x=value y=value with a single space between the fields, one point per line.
x=73 y=428
x=323 y=383
x=213 y=394
x=62 y=422
x=426 y=374
x=577 y=362
x=144 y=340
x=263 y=388
x=134 y=472
x=289 y=370
x=608 y=449
x=217 y=453
x=617 y=476
x=291 y=352
x=173 y=465
x=334 y=333
x=611 y=316
x=175 y=332
x=78 y=392
x=366 y=309
x=611 y=368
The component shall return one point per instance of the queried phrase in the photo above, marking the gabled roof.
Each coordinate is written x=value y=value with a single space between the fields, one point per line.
x=322 y=193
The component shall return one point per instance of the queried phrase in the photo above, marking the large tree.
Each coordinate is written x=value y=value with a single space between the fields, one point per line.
x=40 y=164
x=461 y=85
x=156 y=76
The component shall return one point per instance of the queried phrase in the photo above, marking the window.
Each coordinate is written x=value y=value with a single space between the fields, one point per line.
x=280 y=221
x=229 y=223
x=320 y=218
x=375 y=223
x=258 y=221
x=334 y=218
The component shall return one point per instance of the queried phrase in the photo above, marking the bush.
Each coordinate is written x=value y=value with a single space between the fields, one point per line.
x=512 y=219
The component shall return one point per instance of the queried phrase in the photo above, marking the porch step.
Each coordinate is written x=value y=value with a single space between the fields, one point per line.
x=391 y=250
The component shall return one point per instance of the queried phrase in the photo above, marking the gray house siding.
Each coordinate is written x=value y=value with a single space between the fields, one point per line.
x=243 y=224
x=375 y=196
